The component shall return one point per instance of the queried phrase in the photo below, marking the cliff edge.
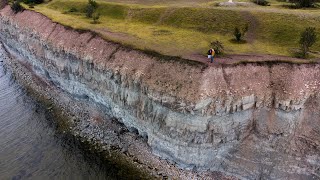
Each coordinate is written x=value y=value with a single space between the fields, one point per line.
x=252 y=121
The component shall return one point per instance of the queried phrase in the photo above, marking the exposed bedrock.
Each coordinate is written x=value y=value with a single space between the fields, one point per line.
x=252 y=121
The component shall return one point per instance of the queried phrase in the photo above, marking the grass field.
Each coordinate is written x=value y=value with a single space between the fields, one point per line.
x=186 y=27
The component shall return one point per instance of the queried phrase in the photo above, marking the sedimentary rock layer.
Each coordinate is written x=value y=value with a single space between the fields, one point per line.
x=248 y=120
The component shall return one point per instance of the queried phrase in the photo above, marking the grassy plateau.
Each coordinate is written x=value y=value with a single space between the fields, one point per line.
x=186 y=27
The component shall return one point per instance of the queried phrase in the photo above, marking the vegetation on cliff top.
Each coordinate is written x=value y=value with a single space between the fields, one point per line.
x=187 y=27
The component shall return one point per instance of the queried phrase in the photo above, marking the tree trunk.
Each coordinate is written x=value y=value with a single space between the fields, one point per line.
x=305 y=50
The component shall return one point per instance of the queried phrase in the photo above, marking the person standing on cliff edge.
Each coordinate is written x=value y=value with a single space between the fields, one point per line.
x=211 y=54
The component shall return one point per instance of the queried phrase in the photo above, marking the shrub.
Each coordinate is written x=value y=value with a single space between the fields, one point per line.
x=16 y=7
x=304 y=3
x=240 y=33
x=33 y=1
x=261 y=2
x=307 y=39
x=217 y=46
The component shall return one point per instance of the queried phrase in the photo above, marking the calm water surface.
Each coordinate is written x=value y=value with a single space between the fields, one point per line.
x=32 y=148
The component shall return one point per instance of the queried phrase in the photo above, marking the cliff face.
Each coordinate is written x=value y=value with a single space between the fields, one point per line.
x=3 y=3
x=253 y=121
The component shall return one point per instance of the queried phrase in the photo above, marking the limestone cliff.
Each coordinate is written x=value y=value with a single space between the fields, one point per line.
x=252 y=121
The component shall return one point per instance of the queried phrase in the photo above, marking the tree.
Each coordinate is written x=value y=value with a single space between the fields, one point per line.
x=307 y=38
x=91 y=7
x=237 y=34
x=89 y=11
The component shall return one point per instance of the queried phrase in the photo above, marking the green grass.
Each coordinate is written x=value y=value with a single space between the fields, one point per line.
x=180 y=30
x=110 y=10
x=204 y=20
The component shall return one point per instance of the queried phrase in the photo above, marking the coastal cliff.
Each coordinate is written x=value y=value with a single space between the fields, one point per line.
x=250 y=120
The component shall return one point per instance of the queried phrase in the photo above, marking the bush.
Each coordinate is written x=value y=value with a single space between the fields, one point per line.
x=16 y=7
x=304 y=3
x=307 y=39
x=240 y=33
x=262 y=2
x=217 y=46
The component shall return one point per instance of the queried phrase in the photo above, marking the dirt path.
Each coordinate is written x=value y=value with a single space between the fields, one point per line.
x=234 y=58
x=227 y=59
